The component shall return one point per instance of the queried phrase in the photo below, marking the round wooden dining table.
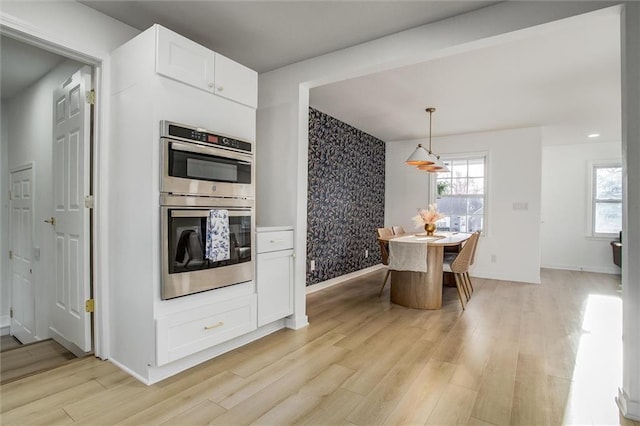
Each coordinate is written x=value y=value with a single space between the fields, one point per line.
x=423 y=290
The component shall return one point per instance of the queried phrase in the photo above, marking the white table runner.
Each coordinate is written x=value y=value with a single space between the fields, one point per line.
x=408 y=254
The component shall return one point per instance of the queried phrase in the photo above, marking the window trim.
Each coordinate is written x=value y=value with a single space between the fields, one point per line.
x=592 y=166
x=433 y=193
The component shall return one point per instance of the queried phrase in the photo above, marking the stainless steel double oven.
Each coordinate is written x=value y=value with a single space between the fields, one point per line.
x=204 y=171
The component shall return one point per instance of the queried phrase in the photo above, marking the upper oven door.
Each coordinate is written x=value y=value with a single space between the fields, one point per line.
x=194 y=169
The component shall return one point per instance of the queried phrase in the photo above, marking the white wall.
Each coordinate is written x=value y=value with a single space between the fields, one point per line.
x=30 y=123
x=5 y=289
x=85 y=34
x=513 y=175
x=566 y=243
x=283 y=100
x=76 y=26
x=629 y=394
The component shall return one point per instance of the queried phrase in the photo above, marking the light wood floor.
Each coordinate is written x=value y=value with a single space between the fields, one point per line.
x=520 y=354
x=25 y=360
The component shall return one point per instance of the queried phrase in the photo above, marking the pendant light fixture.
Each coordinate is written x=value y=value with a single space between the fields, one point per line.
x=420 y=157
x=427 y=160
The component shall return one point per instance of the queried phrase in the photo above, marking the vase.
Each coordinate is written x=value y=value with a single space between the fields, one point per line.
x=430 y=228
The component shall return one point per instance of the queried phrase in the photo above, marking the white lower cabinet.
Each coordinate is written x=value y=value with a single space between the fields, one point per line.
x=188 y=332
x=274 y=276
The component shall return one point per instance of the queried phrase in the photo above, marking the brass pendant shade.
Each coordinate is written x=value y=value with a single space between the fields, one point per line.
x=425 y=159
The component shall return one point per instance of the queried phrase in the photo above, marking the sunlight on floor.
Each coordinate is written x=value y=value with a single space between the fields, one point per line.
x=598 y=367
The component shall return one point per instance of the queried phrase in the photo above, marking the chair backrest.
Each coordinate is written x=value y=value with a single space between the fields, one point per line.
x=384 y=252
x=385 y=232
x=397 y=230
x=475 y=245
x=462 y=261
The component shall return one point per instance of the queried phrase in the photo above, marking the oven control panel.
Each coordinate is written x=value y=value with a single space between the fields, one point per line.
x=203 y=136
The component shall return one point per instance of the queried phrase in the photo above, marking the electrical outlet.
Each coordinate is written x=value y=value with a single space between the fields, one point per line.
x=521 y=205
x=494 y=258
x=313 y=265
x=366 y=253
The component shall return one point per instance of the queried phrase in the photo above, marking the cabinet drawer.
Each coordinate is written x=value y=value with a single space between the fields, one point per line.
x=273 y=241
x=185 y=333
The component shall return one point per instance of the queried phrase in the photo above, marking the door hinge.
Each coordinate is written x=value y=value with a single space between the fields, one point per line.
x=91 y=97
x=89 y=305
x=11 y=312
x=88 y=201
x=10 y=254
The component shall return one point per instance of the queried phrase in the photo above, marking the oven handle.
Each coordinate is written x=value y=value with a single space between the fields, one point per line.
x=205 y=213
x=208 y=150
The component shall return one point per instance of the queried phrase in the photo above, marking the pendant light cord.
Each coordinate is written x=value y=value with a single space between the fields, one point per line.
x=430 y=110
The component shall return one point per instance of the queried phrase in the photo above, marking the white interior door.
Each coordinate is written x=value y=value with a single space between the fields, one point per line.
x=23 y=302
x=71 y=137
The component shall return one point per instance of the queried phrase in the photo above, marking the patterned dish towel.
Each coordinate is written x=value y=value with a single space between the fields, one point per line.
x=217 y=235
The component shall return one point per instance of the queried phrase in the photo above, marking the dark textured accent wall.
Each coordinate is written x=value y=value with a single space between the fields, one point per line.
x=345 y=198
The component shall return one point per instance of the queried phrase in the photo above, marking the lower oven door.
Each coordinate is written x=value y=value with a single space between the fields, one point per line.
x=186 y=269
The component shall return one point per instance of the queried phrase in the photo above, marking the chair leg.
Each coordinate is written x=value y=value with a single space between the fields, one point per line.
x=459 y=290
x=467 y=287
x=463 y=283
x=386 y=277
x=466 y=274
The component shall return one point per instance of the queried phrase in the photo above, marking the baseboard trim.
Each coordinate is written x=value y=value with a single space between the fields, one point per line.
x=68 y=345
x=600 y=270
x=341 y=279
x=628 y=408
x=129 y=371
x=296 y=322
x=501 y=277
x=5 y=325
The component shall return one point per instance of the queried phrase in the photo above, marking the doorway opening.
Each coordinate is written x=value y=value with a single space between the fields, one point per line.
x=45 y=223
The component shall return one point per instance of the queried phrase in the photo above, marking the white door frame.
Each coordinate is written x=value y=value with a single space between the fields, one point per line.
x=52 y=42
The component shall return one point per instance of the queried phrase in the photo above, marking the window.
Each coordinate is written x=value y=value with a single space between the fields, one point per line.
x=460 y=194
x=606 y=209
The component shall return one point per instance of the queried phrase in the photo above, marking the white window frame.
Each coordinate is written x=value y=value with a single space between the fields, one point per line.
x=433 y=192
x=591 y=206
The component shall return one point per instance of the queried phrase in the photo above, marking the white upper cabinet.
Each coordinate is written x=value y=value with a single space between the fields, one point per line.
x=236 y=82
x=188 y=62
x=183 y=60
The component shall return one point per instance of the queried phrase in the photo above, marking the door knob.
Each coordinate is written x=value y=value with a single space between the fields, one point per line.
x=51 y=221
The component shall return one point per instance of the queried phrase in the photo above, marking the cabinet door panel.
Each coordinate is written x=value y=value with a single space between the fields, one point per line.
x=236 y=82
x=275 y=286
x=184 y=60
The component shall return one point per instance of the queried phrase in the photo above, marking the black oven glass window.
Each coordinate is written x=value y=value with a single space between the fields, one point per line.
x=187 y=236
x=189 y=165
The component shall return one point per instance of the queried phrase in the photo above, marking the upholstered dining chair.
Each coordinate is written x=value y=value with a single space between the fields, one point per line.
x=473 y=258
x=385 y=232
x=384 y=253
x=398 y=230
x=384 y=256
x=459 y=265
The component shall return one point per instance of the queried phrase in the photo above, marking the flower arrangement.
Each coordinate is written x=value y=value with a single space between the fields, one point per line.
x=427 y=216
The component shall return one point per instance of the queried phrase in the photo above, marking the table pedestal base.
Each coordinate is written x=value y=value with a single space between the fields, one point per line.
x=420 y=290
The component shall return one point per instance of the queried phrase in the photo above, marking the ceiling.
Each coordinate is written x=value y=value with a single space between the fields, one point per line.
x=21 y=65
x=565 y=79
x=265 y=35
